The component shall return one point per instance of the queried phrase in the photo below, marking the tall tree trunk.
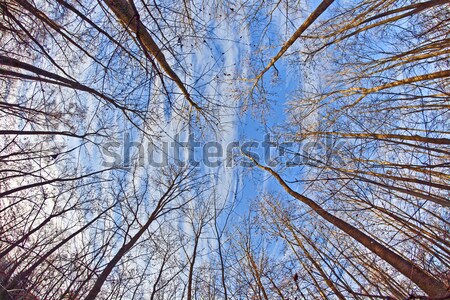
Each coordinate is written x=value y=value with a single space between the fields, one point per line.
x=425 y=281
x=129 y=17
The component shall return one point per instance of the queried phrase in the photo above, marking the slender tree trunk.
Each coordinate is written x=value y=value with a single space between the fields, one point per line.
x=122 y=251
x=426 y=282
x=310 y=20
x=129 y=17
x=191 y=266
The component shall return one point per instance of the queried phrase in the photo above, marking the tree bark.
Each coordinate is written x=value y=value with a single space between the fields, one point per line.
x=426 y=282
x=130 y=20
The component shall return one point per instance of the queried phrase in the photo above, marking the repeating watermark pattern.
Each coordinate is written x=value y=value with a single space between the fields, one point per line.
x=212 y=154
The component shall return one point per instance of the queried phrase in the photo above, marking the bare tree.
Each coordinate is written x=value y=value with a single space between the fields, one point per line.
x=364 y=87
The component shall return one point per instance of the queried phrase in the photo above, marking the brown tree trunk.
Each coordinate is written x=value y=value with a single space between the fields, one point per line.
x=130 y=20
x=426 y=282
x=310 y=20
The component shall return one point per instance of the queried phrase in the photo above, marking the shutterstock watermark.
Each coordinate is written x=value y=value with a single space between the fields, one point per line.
x=127 y=152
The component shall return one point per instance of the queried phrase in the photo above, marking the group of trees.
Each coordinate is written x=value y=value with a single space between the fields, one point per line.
x=363 y=216
x=383 y=98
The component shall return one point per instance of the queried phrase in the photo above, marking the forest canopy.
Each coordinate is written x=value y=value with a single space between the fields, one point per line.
x=224 y=150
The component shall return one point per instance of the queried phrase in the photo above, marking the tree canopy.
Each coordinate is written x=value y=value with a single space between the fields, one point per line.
x=224 y=150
